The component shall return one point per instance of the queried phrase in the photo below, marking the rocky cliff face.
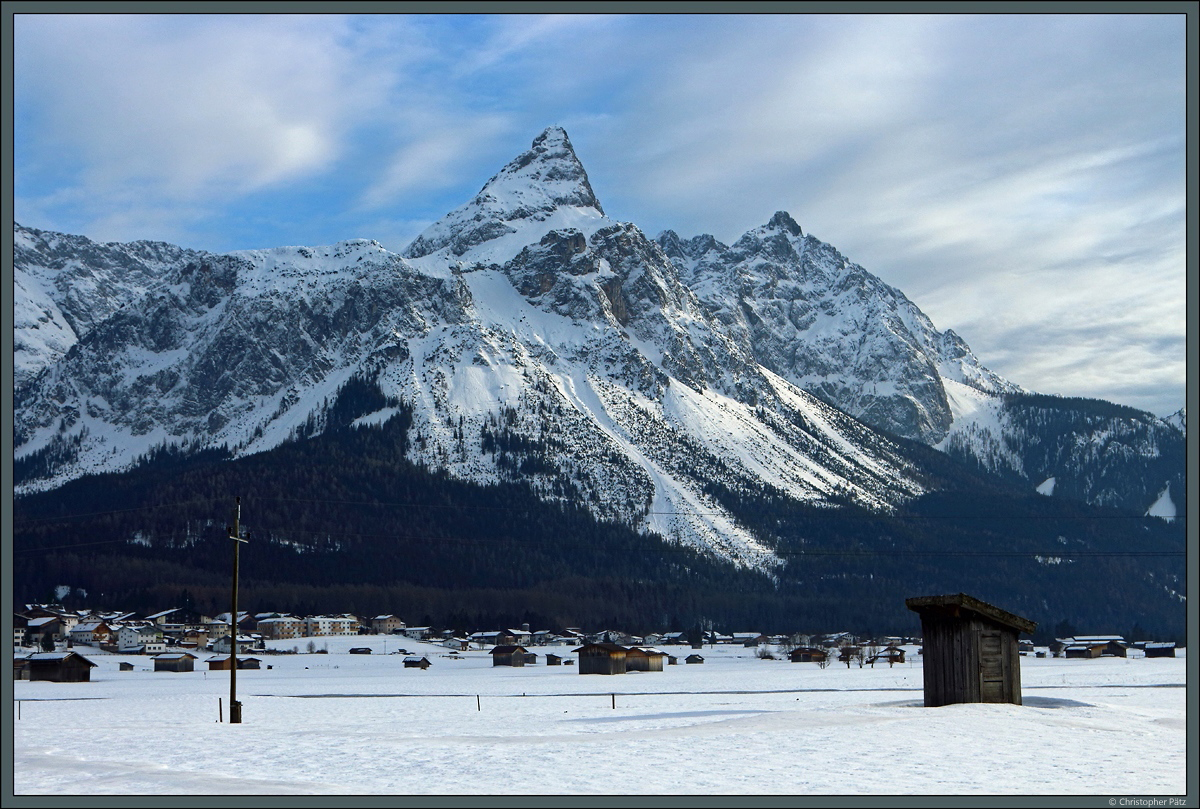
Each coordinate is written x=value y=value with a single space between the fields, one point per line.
x=830 y=327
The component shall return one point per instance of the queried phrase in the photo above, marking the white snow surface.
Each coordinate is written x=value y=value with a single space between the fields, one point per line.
x=1164 y=506
x=1046 y=487
x=341 y=724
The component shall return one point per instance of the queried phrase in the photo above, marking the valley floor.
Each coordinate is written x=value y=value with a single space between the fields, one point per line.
x=334 y=724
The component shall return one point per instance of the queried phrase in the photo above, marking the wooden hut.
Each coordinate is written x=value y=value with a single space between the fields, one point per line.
x=530 y=658
x=360 y=650
x=1084 y=651
x=508 y=656
x=58 y=667
x=1160 y=649
x=970 y=650
x=553 y=659
x=125 y=666
x=414 y=662
x=693 y=659
x=808 y=654
x=601 y=658
x=221 y=663
x=640 y=658
x=175 y=661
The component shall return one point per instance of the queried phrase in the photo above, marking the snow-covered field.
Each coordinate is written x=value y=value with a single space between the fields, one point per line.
x=354 y=724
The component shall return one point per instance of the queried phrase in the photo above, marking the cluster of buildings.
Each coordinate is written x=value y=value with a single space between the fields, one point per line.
x=51 y=628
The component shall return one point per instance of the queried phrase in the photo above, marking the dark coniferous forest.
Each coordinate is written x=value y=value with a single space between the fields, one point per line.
x=339 y=521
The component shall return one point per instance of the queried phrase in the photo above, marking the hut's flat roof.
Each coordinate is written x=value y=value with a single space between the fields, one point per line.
x=611 y=648
x=952 y=604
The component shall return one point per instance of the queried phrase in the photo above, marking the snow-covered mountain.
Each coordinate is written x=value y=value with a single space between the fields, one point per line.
x=526 y=317
x=800 y=308
x=638 y=376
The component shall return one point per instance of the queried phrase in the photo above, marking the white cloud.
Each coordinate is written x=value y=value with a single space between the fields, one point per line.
x=432 y=158
x=190 y=106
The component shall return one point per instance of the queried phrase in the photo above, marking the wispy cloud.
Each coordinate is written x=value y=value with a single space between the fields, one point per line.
x=219 y=105
x=1021 y=178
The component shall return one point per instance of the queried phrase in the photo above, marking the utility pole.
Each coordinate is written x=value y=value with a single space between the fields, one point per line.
x=235 y=707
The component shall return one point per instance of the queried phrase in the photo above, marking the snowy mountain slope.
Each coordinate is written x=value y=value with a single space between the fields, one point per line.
x=543 y=189
x=65 y=285
x=827 y=325
x=804 y=311
x=1084 y=449
x=232 y=350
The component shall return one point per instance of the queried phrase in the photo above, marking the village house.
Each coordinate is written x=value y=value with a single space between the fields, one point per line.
x=179 y=620
x=808 y=654
x=46 y=625
x=889 y=655
x=244 y=642
x=20 y=629
x=148 y=637
x=280 y=627
x=386 y=624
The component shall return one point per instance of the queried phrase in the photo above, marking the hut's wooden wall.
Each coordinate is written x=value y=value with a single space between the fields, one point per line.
x=601 y=663
x=969 y=660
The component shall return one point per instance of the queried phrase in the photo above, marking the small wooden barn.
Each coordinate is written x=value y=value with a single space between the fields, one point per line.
x=601 y=658
x=693 y=659
x=553 y=659
x=414 y=662
x=175 y=661
x=1160 y=649
x=640 y=658
x=508 y=656
x=57 y=667
x=221 y=663
x=125 y=666
x=1085 y=651
x=360 y=650
x=808 y=654
x=970 y=650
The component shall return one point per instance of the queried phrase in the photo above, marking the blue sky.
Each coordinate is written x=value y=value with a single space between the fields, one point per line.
x=1021 y=178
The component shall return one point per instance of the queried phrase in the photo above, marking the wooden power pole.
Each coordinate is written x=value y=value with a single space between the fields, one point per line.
x=235 y=707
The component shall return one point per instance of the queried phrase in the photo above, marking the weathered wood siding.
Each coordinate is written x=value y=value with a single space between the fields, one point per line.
x=599 y=661
x=969 y=660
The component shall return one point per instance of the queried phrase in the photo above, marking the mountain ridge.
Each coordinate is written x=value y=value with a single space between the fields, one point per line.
x=526 y=299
